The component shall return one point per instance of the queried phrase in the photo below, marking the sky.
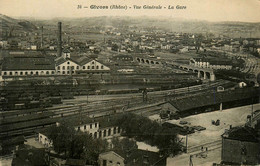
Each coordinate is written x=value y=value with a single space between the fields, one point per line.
x=209 y=10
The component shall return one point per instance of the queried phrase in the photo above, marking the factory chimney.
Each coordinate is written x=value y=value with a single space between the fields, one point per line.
x=59 y=47
x=42 y=37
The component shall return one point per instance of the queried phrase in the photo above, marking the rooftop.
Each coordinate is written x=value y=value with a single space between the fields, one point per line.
x=246 y=134
x=28 y=63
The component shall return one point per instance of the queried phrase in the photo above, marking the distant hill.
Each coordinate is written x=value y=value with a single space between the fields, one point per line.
x=230 y=29
x=8 y=24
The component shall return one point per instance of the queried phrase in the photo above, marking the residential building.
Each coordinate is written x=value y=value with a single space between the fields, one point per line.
x=134 y=157
x=103 y=128
x=240 y=145
x=211 y=63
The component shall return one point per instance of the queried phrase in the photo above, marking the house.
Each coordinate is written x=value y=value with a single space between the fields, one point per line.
x=75 y=162
x=123 y=57
x=8 y=146
x=134 y=157
x=31 y=157
x=103 y=128
x=111 y=159
x=211 y=63
x=43 y=138
x=93 y=66
x=67 y=65
x=28 y=66
x=240 y=145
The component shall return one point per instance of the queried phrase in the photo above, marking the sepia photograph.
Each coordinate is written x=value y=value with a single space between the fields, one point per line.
x=129 y=82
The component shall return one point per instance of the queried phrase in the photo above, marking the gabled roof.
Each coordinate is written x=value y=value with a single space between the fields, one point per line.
x=112 y=152
x=83 y=60
x=138 y=157
x=75 y=162
x=30 y=157
x=28 y=63
x=212 y=98
x=246 y=134
x=61 y=60
x=76 y=120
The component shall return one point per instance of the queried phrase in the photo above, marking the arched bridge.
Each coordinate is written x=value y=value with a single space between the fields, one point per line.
x=148 y=61
x=204 y=73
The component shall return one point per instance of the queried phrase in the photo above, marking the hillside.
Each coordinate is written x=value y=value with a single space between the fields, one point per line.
x=8 y=24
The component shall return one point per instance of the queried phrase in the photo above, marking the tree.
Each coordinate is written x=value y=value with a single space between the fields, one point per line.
x=124 y=144
x=143 y=129
x=61 y=137
x=77 y=144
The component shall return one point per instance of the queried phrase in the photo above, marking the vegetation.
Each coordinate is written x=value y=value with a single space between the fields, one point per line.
x=143 y=129
x=76 y=144
x=124 y=144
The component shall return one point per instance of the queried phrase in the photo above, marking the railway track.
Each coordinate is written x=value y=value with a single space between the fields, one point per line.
x=200 y=148
x=115 y=104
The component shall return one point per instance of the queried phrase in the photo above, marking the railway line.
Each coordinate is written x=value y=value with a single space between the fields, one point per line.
x=95 y=106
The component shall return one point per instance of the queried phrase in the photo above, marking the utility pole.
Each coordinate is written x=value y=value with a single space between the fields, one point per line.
x=191 y=163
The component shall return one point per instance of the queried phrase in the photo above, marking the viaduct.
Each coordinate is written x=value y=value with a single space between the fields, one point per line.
x=203 y=73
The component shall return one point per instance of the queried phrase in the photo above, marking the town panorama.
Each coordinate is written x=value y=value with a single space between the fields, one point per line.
x=127 y=91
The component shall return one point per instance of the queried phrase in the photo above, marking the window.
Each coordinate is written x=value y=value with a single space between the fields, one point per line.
x=118 y=130
x=90 y=126
x=47 y=72
x=114 y=130
x=95 y=125
x=68 y=63
x=52 y=72
x=85 y=127
x=100 y=134
x=118 y=163
x=68 y=72
x=105 y=133
x=110 y=161
x=90 y=134
x=16 y=73
x=5 y=73
x=84 y=67
x=88 y=67
x=93 y=62
x=102 y=67
x=31 y=72
x=58 y=67
x=72 y=67
x=78 y=128
x=26 y=73
x=68 y=67
x=77 y=67
x=97 y=67
x=109 y=132
x=63 y=67
x=63 y=72
x=95 y=135
x=93 y=67
x=104 y=162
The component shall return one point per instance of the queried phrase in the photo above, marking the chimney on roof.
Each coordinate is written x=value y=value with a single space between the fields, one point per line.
x=42 y=37
x=59 y=47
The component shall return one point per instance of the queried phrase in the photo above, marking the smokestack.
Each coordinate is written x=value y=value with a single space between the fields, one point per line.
x=42 y=37
x=59 y=40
